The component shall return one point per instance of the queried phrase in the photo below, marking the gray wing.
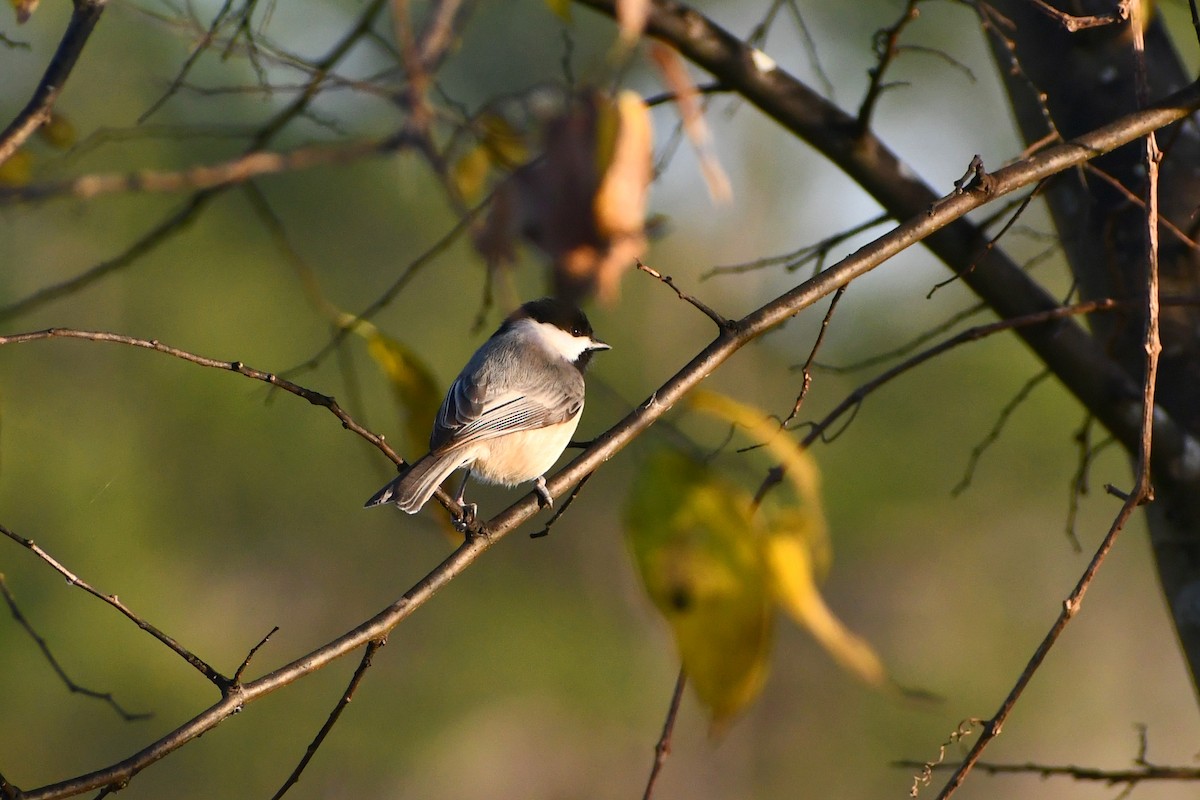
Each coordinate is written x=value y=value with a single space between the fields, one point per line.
x=491 y=398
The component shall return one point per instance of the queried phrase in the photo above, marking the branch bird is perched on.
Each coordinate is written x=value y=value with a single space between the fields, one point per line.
x=512 y=410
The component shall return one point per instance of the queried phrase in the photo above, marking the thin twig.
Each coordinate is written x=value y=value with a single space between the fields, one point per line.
x=205 y=42
x=363 y=665
x=1106 y=776
x=885 y=51
x=1143 y=491
x=562 y=508
x=71 y=685
x=725 y=57
x=201 y=666
x=212 y=176
x=997 y=428
x=855 y=398
x=237 y=676
x=794 y=260
x=460 y=227
x=1072 y=23
x=663 y=748
x=178 y=220
x=806 y=370
x=721 y=322
x=1171 y=227
x=313 y=397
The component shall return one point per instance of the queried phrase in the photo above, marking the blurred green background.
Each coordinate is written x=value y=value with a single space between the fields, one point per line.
x=217 y=509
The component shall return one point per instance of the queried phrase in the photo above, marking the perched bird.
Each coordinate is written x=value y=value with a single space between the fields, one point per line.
x=512 y=410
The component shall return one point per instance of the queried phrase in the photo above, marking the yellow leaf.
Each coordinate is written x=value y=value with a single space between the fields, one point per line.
x=58 y=132
x=413 y=384
x=470 y=173
x=795 y=539
x=624 y=140
x=25 y=9
x=801 y=468
x=691 y=536
x=796 y=590
x=687 y=101
x=631 y=19
x=505 y=144
x=17 y=170
x=560 y=7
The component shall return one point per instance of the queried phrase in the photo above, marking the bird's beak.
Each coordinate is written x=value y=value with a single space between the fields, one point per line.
x=599 y=345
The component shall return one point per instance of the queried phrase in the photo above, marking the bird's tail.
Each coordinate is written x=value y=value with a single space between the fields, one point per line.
x=413 y=487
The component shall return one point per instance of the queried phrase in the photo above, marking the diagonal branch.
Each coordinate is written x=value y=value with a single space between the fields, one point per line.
x=35 y=113
x=44 y=646
x=1068 y=350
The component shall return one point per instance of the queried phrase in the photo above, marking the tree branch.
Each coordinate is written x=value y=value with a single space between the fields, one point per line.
x=35 y=113
x=1068 y=350
x=927 y=223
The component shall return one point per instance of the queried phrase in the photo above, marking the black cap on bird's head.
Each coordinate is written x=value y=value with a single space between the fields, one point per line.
x=562 y=315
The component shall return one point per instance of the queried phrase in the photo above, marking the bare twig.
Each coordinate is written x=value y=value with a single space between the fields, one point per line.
x=1143 y=491
x=237 y=676
x=1170 y=226
x=1072 y=23
x=213 y=176
x=313 y=397
x=886 y=50
x=1106 y=776
x=663 y=748
x=84 y=17
x=389 y=294
x=363 y=665
x=855 y=398
x=997 y=428
x=205 y=42
x=201 y=666
x=792 y=261
x=178 y=220
x=806 y=370
x=720 y=321
x=71 y=685
x=162 y=232
x=1073 y=354
x=561 y=508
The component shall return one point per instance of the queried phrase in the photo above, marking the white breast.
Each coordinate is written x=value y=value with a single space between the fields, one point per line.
x=520 y=457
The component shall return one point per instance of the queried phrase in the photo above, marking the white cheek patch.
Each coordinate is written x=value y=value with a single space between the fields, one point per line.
x=568 y=346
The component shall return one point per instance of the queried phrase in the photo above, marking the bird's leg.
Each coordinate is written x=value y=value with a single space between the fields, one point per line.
x=469 y=509
x=544 y=498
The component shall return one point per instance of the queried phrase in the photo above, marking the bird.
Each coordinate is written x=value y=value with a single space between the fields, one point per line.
x=512 y=410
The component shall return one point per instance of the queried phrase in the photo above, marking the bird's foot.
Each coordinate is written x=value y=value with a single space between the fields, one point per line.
x=544 y=498
x=469 y=514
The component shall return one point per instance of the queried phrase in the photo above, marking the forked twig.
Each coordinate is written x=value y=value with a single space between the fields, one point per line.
x=71 y=685
x=1143 y=490
x=201 y=666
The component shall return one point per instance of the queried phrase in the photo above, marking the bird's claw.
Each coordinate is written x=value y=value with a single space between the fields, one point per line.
x=469 y=513
x=544 y=498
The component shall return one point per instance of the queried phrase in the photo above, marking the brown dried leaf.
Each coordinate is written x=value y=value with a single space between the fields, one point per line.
x=25 y=9
x=687 y=100
x=631 y=19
